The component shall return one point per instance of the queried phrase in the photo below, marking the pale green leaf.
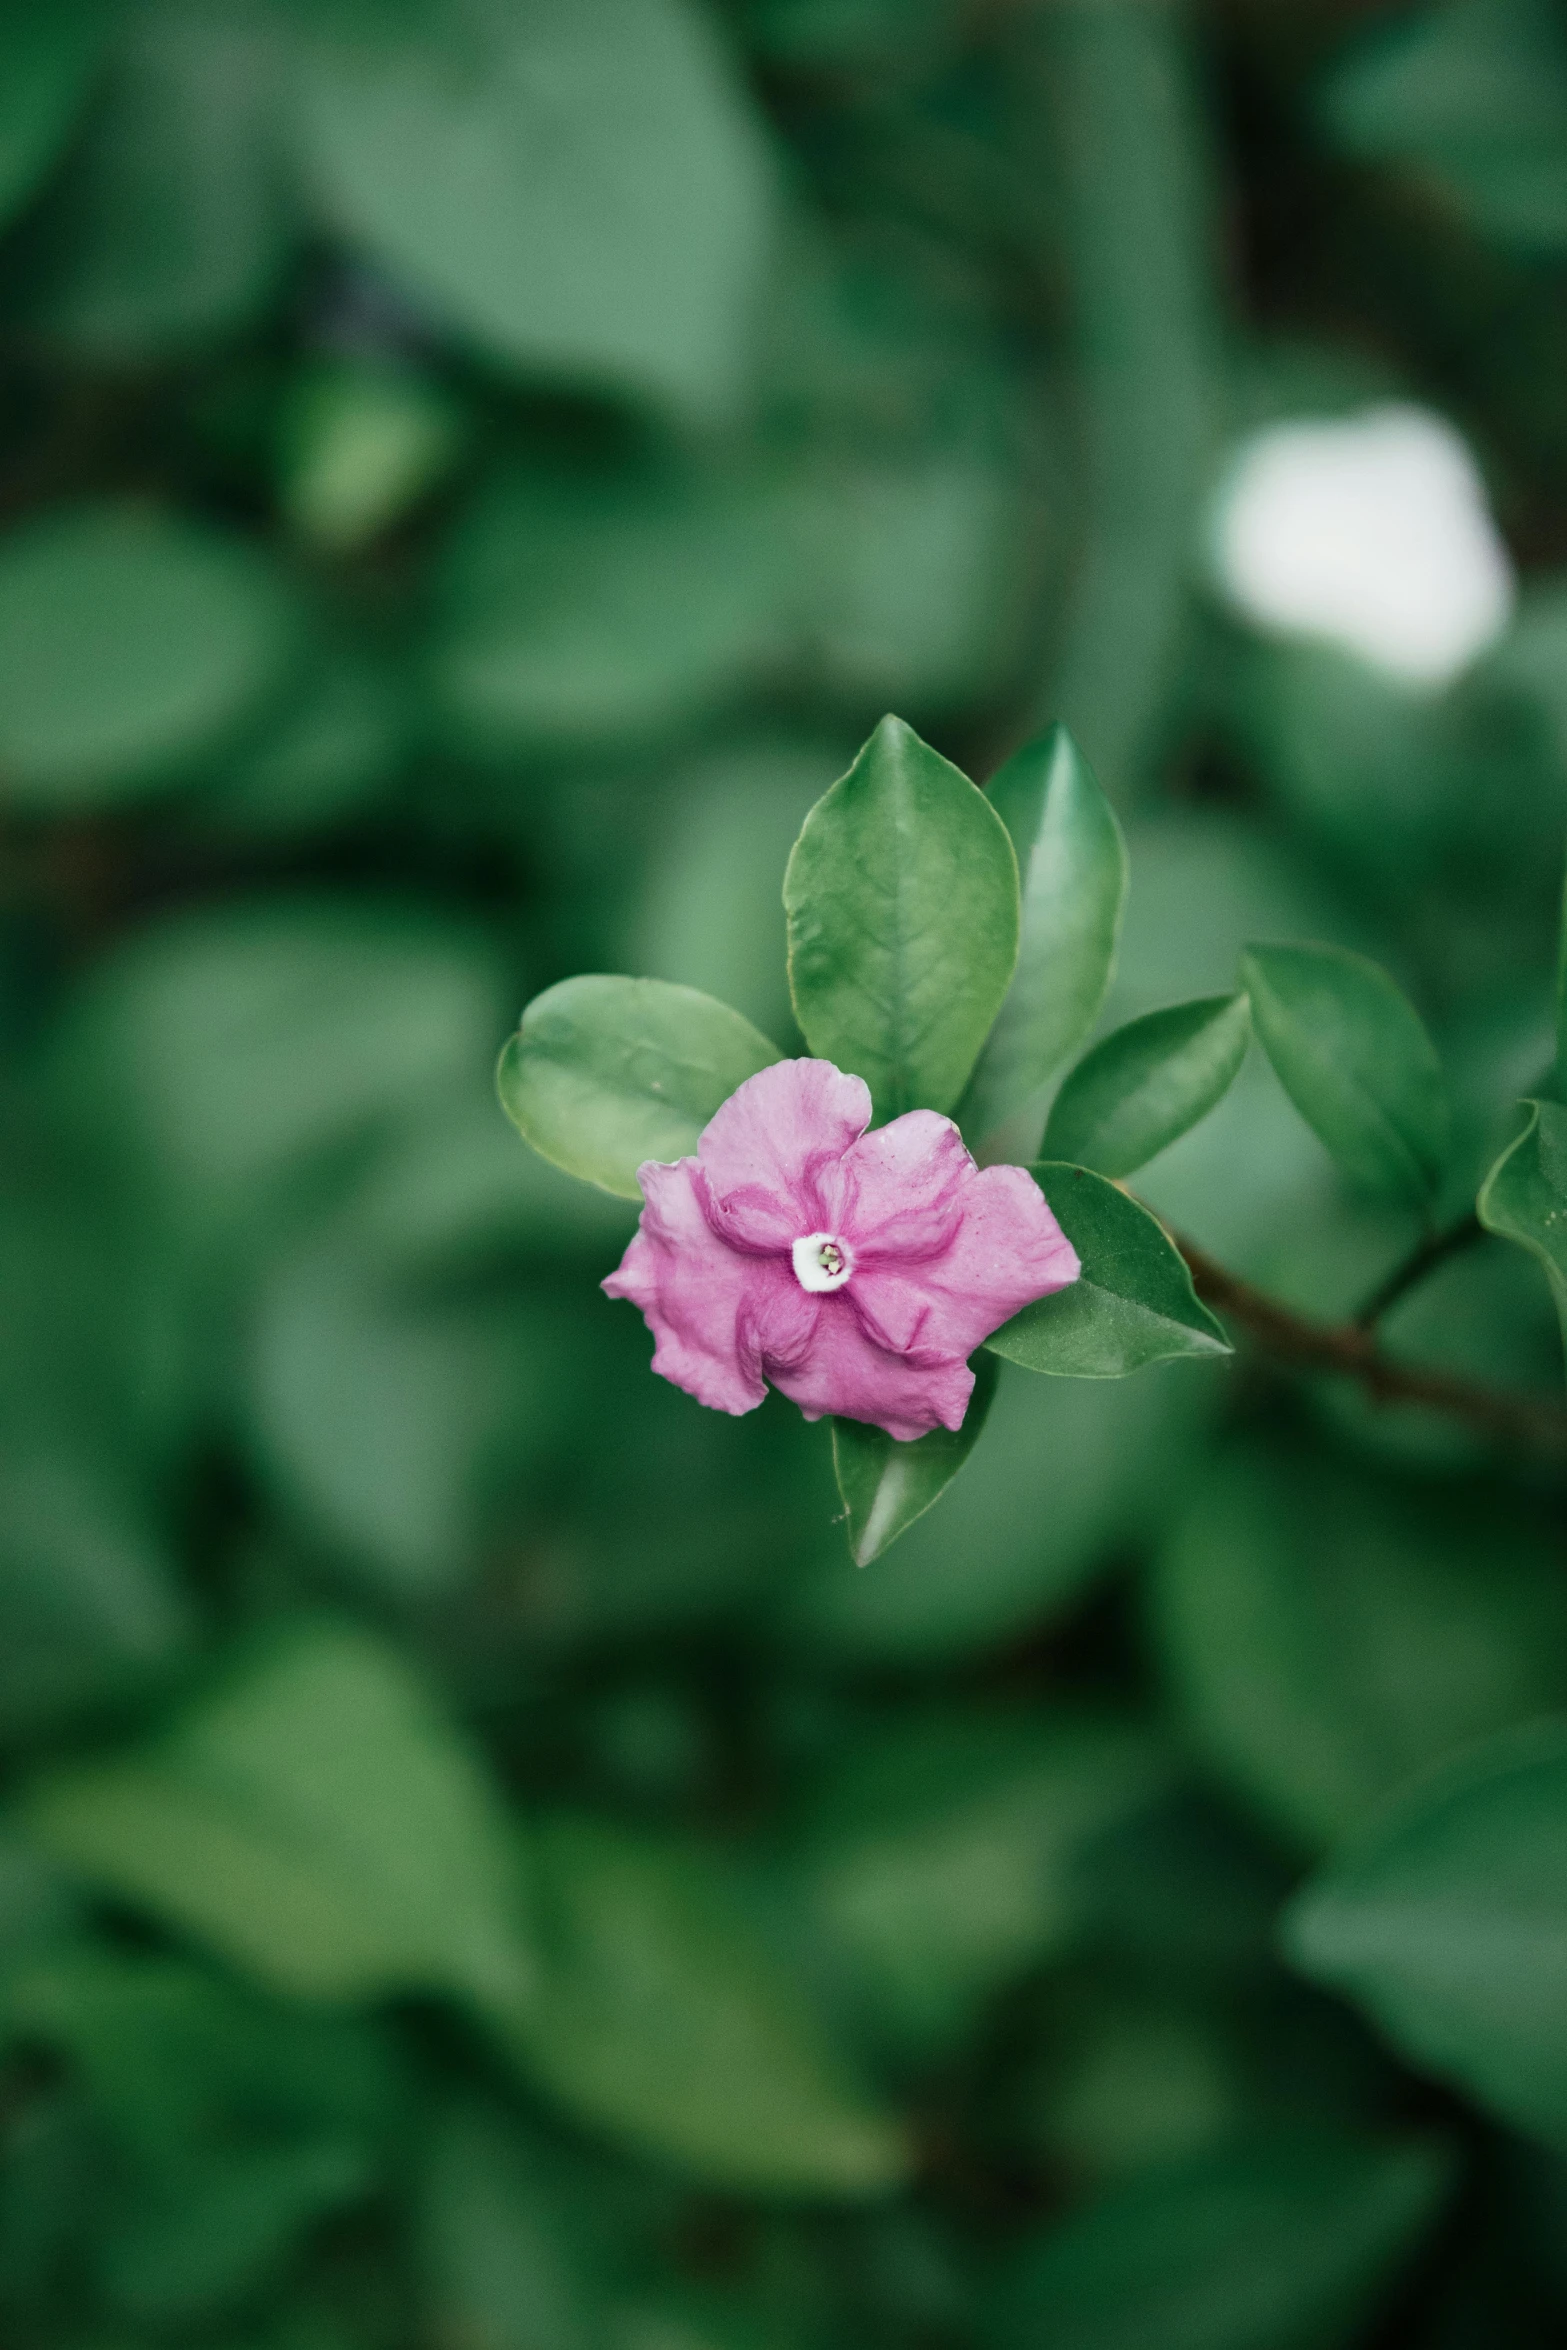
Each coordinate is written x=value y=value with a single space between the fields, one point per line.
x=316 y=1820
x=170 y=221
x=132 y=646
x=585 y=607
x=581 y=186
x=606 y=1072
x=666 y=2022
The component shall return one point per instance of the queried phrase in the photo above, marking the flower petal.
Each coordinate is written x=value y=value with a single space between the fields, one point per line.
x=847 y=1374
x=695 y=1292
x=765 y=1153
x=780 y=1317
x=1005 y=1250
x=901 y=1187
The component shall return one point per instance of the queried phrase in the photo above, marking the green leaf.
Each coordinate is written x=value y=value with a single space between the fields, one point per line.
x=235 y=2124
x=1524 y=1198
x=991 y=1566
x=665 y=2022
x=1471 y=98
x=1351 y=1052
x=607 y=1072
x=383 y=1410
x=1275 y=2245
x=328 y=758
x=91 y=1607
x=1446 y=1921
x=170 y=222
x=582 y=186
x=132 y=645
x=1133 y=1302
x=1141 y=2065
x=48 y=51
x=903 y=923
x=1147 y=1083
x=887 y=1485
x=233 y=1058
x=584 y=607
x=1558 y=1085
x=513 y=2233
x=912 y=549
x=711 y=911
x=943 y=1856
x=361 y=446
x=315 y=1820
x=1326 y=1635
x=1072 y=862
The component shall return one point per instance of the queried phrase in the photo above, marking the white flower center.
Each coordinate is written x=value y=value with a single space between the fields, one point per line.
x=821 y=1262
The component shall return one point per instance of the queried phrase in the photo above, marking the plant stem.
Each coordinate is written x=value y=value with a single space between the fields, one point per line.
x=1434 y=1250
x=1350 y=1350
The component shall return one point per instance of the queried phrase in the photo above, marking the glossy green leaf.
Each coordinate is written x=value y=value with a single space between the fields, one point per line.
x=943 y=1856
x=1446 y=1918
x=607 y=1072
x=902 y=901
x=1072 y=863
x=456 y=141
x=1524 y=1197
x=1275 y=2245
x=665 y=2022
x=1326 y=1635
x=887 y=1485
x=1147 y=1083
x=316 y=1820
x=1133 y=1303
x=48 y=50
x=132 y=645
x=1352 y=1053
x=170 y=222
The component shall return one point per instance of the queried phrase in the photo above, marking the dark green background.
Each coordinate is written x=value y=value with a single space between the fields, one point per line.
x=480 y=1868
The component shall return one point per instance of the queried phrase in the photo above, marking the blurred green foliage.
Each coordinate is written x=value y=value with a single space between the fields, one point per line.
x=480 y=1869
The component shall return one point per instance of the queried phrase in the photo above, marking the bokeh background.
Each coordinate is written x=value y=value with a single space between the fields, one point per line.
x=479 y=1868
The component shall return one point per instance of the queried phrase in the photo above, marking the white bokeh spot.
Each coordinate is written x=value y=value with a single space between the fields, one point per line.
x=1372 y=531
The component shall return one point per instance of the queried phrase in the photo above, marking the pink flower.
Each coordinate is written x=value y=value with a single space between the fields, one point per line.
x=856 y=1271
